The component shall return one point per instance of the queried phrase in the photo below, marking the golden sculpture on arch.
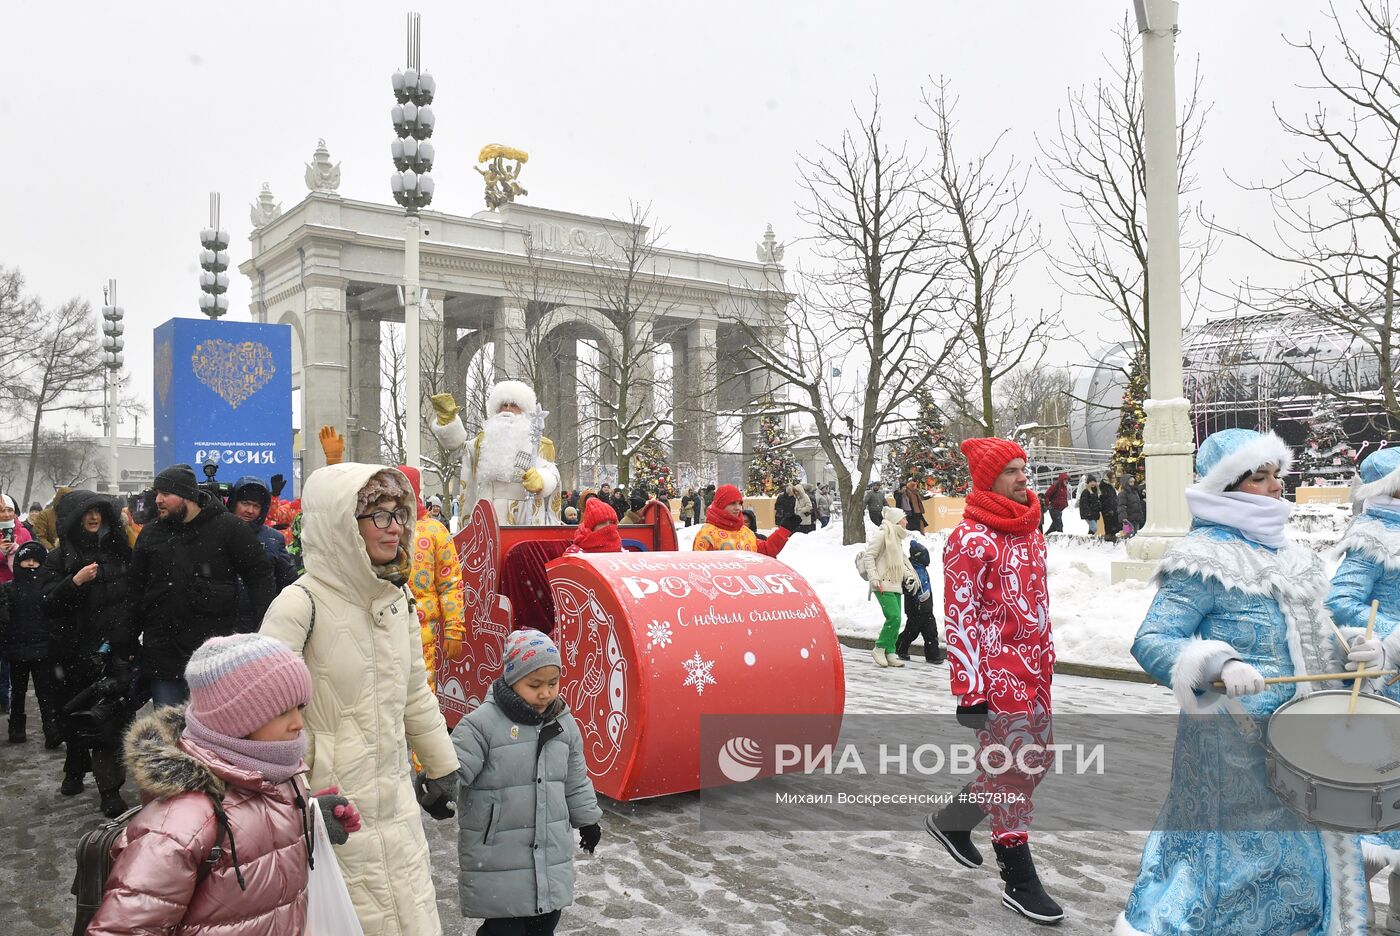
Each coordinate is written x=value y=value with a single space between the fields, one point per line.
x=501 y=178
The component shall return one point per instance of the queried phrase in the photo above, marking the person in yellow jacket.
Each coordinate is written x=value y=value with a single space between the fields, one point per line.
x=724 y=527
x=436 y=583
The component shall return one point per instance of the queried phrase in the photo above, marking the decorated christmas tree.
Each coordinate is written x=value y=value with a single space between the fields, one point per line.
x=651 y=473
x=930 y=457
x=773 y=468
x=1127 y=457
x=1326 y=449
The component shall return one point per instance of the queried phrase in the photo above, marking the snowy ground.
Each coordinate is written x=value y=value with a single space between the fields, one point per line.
x=1094 y=620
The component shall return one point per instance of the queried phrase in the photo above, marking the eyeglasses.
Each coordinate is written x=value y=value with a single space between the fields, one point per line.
x=382 y=518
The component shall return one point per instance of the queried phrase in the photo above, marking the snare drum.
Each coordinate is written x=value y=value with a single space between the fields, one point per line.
x=1337 y=771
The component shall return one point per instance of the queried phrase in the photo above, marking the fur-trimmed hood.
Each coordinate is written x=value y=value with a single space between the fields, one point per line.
x=1228 y=455
x=163 y=764
x=1376 y=535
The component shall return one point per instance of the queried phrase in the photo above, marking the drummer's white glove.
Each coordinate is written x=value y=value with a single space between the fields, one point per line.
x=1365 y=651
x=1241 y=679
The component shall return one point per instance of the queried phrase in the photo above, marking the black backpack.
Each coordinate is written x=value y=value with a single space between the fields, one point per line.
x=95 y=861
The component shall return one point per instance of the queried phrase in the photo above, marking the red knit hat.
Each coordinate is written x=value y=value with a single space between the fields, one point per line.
x=725 y=495
x=590 y=539
x=597 y=511
x=986 y=458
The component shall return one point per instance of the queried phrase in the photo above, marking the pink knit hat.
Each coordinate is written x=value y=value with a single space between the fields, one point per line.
x=242 y=682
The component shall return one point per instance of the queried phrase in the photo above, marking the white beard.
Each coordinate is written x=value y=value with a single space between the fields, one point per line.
x=505 y=437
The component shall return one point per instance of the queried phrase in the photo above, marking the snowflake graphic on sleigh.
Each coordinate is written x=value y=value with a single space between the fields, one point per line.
x=698 y=673
x=658 y=634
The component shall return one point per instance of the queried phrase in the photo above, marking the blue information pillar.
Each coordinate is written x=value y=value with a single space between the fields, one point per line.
x=223 y=394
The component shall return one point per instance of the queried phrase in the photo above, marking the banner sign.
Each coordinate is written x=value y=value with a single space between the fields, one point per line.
x=223 y=396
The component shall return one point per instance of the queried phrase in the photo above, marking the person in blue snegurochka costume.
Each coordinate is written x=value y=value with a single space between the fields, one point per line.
x=1237 y=602
x=1370 y=571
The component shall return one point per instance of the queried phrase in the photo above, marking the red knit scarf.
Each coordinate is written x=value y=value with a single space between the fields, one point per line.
x=1002 y=513
x=717 y=515
x=602 y=539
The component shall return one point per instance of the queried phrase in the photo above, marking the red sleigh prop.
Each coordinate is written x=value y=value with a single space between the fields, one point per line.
x=652 y=641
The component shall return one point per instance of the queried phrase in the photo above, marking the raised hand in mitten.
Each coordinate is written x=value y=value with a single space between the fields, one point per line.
x=332 y=444
x=444 y=407
x=589 y=836
x=278 y=482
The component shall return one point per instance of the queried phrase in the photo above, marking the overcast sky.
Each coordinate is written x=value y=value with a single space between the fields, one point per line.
x=120 y=118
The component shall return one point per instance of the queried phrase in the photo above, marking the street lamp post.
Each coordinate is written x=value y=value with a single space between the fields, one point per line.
x=412 y=186
x=1167 y=438
x=112 y=328
x=213 y=260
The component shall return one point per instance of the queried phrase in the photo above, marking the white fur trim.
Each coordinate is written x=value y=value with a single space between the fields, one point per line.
x=1269 y=449
x=1196 y=667
x=1374 y=539
x=1390 y=484
x=1123 y=928
x=1380 y=857
x=510 y=391
x=451 y=436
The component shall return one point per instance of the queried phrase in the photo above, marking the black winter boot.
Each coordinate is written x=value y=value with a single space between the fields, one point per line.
x=17 y=735
x=1023 y=893
x=952 y=826
x=112 y=804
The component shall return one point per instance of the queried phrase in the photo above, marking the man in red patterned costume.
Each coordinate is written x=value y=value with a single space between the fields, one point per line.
x=1001 y=657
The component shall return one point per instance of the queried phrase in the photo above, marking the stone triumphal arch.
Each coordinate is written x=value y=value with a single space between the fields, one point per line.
x=518 y=279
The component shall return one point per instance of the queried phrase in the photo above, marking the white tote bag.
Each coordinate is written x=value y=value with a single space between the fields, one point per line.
x=329 y=911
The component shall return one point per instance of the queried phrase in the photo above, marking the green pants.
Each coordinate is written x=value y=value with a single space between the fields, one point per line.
x=891 y=602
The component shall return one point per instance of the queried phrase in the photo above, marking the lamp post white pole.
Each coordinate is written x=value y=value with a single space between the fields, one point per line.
x=412 y=185
x=411 y=343
x=112 y=328
x=1168 y=446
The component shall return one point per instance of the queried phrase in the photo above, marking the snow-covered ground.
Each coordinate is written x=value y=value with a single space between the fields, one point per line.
x=1094 y=620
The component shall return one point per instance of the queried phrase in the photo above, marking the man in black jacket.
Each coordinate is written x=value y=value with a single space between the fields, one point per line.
x=183 y=584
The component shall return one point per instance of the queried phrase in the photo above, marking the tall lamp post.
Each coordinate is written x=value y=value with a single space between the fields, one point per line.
x=412 y=185
x=213 y=260
x=1168 y=444
x=112 y=328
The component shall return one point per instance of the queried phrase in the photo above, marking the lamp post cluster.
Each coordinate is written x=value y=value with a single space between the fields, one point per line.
x=112 y=344
x=412 y=187
x=213 y=260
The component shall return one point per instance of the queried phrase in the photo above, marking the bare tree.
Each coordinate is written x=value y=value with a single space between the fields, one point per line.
x=393 y=429
x=68 y=462
x=18 y=314
x=863 y=335
x=1337 y=212
x=1036 y=396
x=1097 y=161
x=628 y=283
x=987 y=235
x=540 y=289
x=60 y=367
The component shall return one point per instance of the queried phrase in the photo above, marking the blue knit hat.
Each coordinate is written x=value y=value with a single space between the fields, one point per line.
x=526 y=651
x=1230 y=454
x=1380 y=474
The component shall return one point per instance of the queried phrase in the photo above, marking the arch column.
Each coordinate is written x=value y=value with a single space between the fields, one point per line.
x=695 y=398
x=508 y=332
x=362 y=429
x=326 y=366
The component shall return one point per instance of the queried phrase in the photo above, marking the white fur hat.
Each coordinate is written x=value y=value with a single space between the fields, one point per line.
x=1226 y=456
x=510 y=391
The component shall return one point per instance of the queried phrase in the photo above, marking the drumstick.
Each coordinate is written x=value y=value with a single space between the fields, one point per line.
x=1356 y=686
x=1321 y=677
x=1341 y=639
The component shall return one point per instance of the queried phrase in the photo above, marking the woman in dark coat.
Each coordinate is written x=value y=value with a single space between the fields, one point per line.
x=1134 y=509
x=783 y=506
x=1089 y=506
x=84 y=582
x=1108 y=507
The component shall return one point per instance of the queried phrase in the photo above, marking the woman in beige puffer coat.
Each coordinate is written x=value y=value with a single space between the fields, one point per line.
x=370 y=700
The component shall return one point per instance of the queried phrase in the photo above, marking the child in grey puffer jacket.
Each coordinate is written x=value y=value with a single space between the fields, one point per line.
x=524 y=786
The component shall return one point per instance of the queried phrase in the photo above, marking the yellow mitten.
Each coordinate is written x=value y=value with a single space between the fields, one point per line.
x=445 y=407
x=333 y=444
x=532 y=481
